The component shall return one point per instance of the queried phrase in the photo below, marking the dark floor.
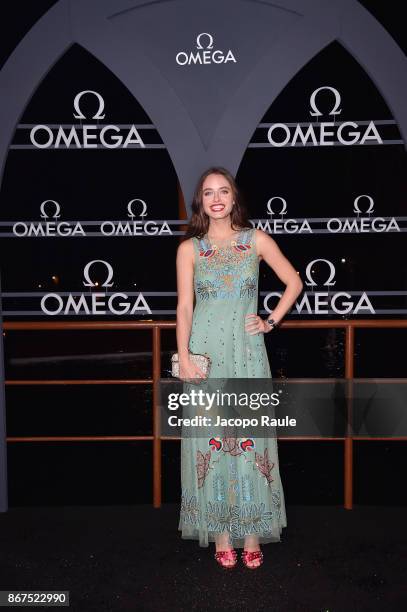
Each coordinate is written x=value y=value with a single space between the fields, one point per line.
x=132 y=558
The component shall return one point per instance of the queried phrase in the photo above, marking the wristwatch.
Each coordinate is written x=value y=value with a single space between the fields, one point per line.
x=273 y=324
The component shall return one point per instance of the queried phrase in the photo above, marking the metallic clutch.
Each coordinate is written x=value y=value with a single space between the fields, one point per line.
x=202 y=361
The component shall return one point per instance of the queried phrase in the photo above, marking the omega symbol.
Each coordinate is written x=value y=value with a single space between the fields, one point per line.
x=210 y=41
x=44 y=215
x=356 y=208
x=107 y=282
x=316 y=112
x=329 y=282
x=283 y=210
x=79 y=114
x=143 y=210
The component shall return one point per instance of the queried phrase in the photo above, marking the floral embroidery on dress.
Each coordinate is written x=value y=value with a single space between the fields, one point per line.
x=247 y=444
x=202 y=466
x=205 y=289
x=189 y=509
x=276 y=497
x=264 y=465
x=218 y=516
x=247 y=488
x=251 y=518
x=219 y=487
x=228 y=281
x=241 y=246
x=248 y=287
x=231 y=445
x=207 y=252
x=215 y=444
x=233 y=489
x=218 y=266
x=276 y=501
x=243 y=242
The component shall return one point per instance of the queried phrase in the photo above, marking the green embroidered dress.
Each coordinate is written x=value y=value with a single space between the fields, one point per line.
x=227 y=484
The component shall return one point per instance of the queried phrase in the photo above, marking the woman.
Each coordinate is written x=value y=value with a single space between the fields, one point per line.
x=231 y=492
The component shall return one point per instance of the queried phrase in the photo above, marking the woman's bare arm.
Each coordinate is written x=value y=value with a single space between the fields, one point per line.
x=185 y=307
x=272 y=255
x=185 y=290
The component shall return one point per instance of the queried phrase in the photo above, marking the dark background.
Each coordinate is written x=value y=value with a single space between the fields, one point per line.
x=97 y=185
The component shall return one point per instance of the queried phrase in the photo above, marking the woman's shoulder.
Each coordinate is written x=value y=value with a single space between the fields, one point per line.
x=185 y=252
x=188 y=245
x=192 y=240
x=185 y=247
x=261 y=234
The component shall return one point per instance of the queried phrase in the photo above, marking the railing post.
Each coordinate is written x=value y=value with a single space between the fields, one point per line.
x=3 y=439
x=348 y=442
x=156 y=417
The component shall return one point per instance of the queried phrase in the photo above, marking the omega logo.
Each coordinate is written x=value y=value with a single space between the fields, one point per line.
x=283 y=210
x=107 y=282
x=97 y=302
x=308 y=272
x=360 y=225
x=87 y=136
x=143 y=212
x=47 y=229
x=79 y=114
x=210 y=41
x=57 y=209
x=324 y=133
x=325 y=302
x=315 y=112
x=204 y=54
x=282 y=226
x=356 y=208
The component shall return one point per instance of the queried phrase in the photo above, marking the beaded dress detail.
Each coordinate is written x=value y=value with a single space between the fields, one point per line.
x=228 y=483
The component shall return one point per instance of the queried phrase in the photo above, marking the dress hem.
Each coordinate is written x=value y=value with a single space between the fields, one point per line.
x=235 y=542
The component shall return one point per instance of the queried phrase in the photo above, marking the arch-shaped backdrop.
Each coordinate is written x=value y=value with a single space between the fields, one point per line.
x=195 y=138
x=204 y=116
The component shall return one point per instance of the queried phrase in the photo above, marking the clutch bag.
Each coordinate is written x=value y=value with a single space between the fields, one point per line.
x=202 y=361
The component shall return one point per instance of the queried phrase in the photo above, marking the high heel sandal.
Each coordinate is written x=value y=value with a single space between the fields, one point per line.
x=230 y=555
x=247 y=557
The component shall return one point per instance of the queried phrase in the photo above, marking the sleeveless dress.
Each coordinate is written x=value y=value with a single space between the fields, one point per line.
x=227 y=485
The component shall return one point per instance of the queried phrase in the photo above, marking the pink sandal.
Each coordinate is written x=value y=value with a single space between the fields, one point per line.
x=247 y=557
x=229 y=555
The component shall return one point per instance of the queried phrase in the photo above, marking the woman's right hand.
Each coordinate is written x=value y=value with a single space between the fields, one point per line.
x=189 y=370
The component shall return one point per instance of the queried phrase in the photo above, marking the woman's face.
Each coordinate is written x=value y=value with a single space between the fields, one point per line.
x=217 y=196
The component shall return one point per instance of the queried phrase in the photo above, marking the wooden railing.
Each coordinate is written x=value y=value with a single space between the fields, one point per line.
x=156 y=437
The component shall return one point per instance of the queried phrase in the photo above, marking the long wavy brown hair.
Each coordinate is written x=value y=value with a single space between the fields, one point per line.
x=199 y=223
